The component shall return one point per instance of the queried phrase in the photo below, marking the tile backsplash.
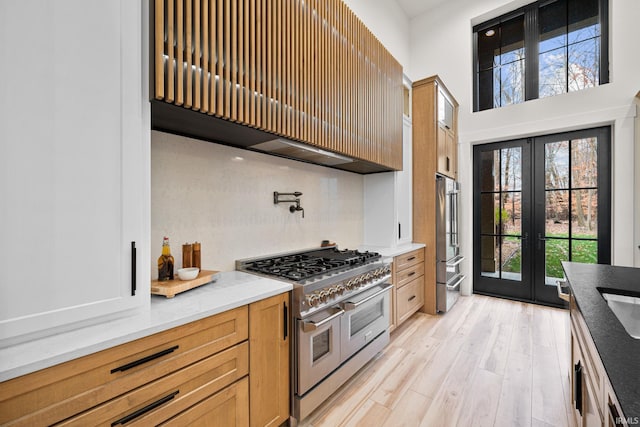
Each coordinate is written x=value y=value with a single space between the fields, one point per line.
x=223 y=197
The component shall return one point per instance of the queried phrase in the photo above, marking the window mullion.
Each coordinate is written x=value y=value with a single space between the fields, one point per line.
x=604 y=42
x=531 y=37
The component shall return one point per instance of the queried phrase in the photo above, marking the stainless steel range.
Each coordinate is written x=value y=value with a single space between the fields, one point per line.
x=341 y=315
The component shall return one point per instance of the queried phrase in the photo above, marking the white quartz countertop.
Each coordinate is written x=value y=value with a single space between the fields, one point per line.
x=230 y=290
x=392 y=251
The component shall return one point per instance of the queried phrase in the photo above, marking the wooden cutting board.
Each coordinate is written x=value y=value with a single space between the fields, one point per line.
x=169 y=288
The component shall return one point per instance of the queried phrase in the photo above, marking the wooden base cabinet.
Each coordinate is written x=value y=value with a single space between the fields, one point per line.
x=269 y=361
x=408 y=281
x=231 y=369
x=228 y=408
x=593 y=400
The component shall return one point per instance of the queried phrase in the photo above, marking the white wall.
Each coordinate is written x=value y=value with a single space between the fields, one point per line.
x=388 y=23
x=202 y=192
x=441 y=43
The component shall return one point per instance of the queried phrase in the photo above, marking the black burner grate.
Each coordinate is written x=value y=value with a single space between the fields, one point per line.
x=310 y=264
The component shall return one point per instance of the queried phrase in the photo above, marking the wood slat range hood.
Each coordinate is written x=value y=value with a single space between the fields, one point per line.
x=301 y=79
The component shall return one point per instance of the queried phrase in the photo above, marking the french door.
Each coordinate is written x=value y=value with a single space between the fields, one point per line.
x=538 y=202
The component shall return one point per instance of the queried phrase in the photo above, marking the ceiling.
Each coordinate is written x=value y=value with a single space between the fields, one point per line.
x=413 y=8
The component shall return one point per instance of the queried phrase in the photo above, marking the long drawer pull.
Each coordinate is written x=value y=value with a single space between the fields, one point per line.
x=144 y=360
x=614 y=416
x=412 y=298
x=577 y=386
x=411 y=258
x=411 y=274
x=146 y=409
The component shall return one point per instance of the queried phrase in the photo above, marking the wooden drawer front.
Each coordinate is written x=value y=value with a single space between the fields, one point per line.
x=59 y=392
x=162 y=399
x=410 y=298
x=594 y=367
x=228 y=408
x=405 y=260
x=408 y=274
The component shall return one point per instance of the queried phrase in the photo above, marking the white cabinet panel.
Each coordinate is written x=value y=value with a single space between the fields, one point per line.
x=74 y=167
x=387 y=201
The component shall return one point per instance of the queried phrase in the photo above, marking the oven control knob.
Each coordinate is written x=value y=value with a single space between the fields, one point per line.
x=340 y=289
x=311 y=300
x=324 y=295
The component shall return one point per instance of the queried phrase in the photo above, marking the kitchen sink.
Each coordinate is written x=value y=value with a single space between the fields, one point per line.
x=627 y=310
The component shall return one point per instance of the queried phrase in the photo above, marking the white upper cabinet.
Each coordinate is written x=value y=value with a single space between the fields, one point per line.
x=74 y=138
x=388 y=199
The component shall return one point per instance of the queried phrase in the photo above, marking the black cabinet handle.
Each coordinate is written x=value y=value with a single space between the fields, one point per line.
x=133 y=268
x=411 y=274
x=144 y=360
x=411 y=259
x=614 y=415
x=286 y=320
x=412 y=298
x=577 y=386
x=147 y=408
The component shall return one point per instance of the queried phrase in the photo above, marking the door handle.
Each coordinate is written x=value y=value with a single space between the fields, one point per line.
x=308 y=326
x=285 y=313
x=540 y=240
x=134 y=272
x=563 y=296
x=348 y=306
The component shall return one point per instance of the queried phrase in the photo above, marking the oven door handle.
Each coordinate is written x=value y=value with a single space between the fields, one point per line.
x=308 y=326
x=348 y=306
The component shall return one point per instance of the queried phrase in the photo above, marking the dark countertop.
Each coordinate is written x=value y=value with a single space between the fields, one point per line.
x=619 y=352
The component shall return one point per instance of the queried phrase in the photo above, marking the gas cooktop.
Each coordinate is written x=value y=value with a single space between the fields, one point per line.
x=308 y=264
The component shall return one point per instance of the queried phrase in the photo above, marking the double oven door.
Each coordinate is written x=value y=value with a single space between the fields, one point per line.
x=328 y=338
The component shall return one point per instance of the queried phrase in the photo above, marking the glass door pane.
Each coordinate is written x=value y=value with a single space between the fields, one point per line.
x=502 y=203
x=569 y=189
x=537 y=203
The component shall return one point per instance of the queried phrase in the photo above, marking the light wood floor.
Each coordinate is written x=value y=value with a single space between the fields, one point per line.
x=487 y=362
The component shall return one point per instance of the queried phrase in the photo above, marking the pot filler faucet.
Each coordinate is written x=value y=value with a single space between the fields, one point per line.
x=292 y=208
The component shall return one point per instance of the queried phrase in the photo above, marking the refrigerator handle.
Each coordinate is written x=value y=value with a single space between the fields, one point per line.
x=453 y=218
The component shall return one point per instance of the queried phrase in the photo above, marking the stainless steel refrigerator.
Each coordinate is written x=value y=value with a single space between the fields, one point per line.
x=448 y=257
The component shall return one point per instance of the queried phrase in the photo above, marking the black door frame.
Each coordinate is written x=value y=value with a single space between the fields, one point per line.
x=533 y=220
x=518 y=290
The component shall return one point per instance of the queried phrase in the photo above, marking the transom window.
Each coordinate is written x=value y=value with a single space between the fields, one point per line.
x=543 y=49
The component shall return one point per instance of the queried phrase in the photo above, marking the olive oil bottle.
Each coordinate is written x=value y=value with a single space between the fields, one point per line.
x=165 y=262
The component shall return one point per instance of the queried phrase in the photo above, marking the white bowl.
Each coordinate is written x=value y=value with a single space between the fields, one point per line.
x=188 y=273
